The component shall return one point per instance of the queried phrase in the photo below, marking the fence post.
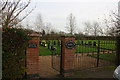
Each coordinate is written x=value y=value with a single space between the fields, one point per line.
x=67 y=56
x=118 y=49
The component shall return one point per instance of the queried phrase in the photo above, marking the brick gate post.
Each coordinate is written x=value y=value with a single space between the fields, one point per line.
x=67 y=56
x=32 y=56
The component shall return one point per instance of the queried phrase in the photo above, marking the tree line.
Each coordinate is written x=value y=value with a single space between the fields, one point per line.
x=11 y=10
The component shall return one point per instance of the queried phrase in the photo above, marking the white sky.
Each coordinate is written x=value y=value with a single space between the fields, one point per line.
x=56 y=11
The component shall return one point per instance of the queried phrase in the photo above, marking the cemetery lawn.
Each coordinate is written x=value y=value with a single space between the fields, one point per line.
x=80 y=49
x=44 y=51
x=108 y=57
x=104 y=44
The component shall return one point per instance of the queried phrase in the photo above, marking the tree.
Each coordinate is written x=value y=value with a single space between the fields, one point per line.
x=48 y=28
x=71 y=25
x=87 y=28
x=113 y=25
x=43 y=32
x=10 y=11
x=93 y=29
x=39 y=23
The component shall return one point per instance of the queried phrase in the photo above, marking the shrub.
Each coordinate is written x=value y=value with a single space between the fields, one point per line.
x=14 y=44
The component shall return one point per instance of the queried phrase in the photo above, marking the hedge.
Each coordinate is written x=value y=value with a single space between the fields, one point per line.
x=14 y=44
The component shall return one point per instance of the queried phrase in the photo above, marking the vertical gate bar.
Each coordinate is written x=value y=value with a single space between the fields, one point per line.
x=61 y=69
x=98 y=51
x=52 y=60
x=118 y=50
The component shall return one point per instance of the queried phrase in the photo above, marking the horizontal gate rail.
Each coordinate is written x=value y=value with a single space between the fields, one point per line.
x=94 y=52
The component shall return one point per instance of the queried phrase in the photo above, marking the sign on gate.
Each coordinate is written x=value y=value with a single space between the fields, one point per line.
x=70 y=44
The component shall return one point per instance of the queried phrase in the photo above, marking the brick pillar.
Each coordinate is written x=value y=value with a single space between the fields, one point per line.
x=67 y=64
x=32 y=56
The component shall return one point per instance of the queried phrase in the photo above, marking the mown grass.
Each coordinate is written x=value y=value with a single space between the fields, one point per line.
x=80 y=49
x=45 y=51
x=106 y=44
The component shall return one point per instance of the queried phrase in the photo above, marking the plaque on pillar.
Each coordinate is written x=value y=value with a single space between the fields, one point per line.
x=32 y=45
x=70 y=44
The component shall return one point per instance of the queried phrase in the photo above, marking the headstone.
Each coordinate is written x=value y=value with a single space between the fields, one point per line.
x=45 y=45
x=53 y=48
x=94 y=43
x=82 y=42
x=89 y=43
x=78 y=42
x=85 y=43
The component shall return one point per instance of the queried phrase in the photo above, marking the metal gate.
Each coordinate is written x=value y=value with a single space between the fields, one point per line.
x=56 y=54
x=94 y=52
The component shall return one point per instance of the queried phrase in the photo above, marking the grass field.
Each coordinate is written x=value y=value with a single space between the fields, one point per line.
x=106 y=44
x=46 y=51
x=80 y=49
x=108 y=57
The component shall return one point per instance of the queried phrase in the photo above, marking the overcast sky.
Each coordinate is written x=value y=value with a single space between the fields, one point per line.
x=56 y=11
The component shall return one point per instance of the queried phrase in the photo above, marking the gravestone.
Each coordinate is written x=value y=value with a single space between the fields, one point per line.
x=89 y=43
x=53 y=48
x=85 y=43
x=82 y=42
x=94 y=43
x=45 y=45
x=78 y=42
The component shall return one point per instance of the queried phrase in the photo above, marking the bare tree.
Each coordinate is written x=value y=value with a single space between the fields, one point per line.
x=87 y=28
x=39 y=23
x=116 y=22
x=10 y=11
x=113 y=25
x=71 y=25
x=48 y=27
x=93 y=29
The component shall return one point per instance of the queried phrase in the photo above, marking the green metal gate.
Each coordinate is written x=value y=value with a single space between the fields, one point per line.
x=94 y=52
